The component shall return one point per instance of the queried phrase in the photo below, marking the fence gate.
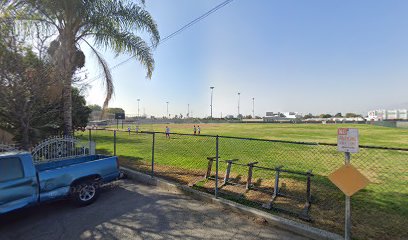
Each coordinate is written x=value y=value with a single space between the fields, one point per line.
x=61 y=147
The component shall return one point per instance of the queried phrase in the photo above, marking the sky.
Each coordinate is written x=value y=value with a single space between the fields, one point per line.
x=314 y=56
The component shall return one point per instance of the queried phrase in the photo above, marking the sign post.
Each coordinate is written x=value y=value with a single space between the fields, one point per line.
x=347 y=142
x=118 y=116
x=347 y=214
x=347 y=178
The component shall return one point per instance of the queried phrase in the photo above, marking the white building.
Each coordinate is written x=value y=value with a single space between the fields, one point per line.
x=278 y=116
x=382 y=114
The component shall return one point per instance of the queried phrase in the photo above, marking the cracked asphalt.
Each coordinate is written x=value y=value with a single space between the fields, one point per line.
x=129 y=210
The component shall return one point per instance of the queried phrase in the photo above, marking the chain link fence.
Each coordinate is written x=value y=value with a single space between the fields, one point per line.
x=286 y=178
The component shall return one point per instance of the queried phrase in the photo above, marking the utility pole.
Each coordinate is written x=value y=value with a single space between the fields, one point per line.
x=138 y=111
x=188 y=110
x=212 y=88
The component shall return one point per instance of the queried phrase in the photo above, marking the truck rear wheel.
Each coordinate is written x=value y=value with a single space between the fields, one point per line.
x=85 y=192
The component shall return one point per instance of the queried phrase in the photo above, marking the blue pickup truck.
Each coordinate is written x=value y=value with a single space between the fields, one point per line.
x=23 y=183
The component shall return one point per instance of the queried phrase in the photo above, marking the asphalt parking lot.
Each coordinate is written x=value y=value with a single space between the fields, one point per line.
x=129 y=210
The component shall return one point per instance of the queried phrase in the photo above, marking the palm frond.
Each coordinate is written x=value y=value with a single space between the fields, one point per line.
x=108 y=77
x=108 y=36
x=125 y=15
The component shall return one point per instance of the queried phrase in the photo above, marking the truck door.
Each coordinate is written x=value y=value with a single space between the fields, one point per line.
x=18 y=188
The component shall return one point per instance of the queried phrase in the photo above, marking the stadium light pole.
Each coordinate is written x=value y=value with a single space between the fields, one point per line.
x=239 y=96
x=167 y=109
x=253 y=107
x=211 y=105
x=188 y=110
x=138 y=109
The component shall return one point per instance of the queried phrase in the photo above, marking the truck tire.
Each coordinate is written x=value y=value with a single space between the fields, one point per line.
x=86 y=192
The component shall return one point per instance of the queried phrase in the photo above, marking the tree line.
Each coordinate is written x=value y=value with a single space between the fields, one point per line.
x=31 y=106
x=41 y=57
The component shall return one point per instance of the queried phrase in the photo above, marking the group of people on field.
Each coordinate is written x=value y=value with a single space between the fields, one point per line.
x=196 y=131
x=136 y=129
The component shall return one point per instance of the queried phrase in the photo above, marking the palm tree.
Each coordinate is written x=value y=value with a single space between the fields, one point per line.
x=100 y=24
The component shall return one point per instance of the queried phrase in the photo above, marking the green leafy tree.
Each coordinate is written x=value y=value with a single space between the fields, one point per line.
x=95 y=107
x=80 y=112
x=24 y=93
x=100 y=24
x=115 y=110
x=352 y=115
x=307 y=116
x=338 y=115
x=31 y=106
x=325 y=115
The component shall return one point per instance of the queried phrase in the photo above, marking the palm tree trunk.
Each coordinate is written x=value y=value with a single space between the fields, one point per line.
x=67 y=106
x=65 y=63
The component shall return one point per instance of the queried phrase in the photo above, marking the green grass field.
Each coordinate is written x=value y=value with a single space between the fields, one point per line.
x=369 y=134
x=380 y=210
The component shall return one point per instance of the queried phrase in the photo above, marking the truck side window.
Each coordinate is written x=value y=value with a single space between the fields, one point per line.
x=11 y=169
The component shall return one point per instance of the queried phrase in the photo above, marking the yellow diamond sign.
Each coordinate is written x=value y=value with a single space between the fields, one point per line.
x=348 y=179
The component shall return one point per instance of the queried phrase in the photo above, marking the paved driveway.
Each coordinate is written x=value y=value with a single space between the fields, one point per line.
x=128 y=210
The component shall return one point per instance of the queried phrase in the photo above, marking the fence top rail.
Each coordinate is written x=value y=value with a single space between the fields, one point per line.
x=265 y=140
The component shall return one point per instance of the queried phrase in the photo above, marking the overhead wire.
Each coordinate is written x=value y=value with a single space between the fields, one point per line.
x=181 y=29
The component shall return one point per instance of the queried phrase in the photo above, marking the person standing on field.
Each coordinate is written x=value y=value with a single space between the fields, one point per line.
x=167 y=132
x=137 y=129
x=129 y=130
x=199 y=130
x=195 y=130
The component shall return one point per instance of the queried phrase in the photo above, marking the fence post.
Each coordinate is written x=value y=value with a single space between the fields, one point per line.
x=114 y=142
x=216 y=167
x=153 y=154
x=347 y=227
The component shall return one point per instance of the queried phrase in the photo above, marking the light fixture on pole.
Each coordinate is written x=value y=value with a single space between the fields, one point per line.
x=138 y=109
x=212 y=88
x=239 y=97
x=253 y=107
x=167 y=109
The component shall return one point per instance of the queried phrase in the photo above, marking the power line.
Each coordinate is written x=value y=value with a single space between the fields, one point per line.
x=183 y=28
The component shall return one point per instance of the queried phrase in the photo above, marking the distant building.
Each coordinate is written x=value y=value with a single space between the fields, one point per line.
x=335 y=120
x=382 y=114
x=282 y=116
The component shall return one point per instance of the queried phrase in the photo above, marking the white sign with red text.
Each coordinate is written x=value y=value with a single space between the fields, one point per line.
x=347 y=140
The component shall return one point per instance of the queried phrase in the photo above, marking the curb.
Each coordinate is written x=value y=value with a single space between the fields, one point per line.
x=289 y=225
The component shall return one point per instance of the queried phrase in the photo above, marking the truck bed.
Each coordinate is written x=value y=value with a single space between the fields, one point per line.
x=64 y=163
x=57 y=177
